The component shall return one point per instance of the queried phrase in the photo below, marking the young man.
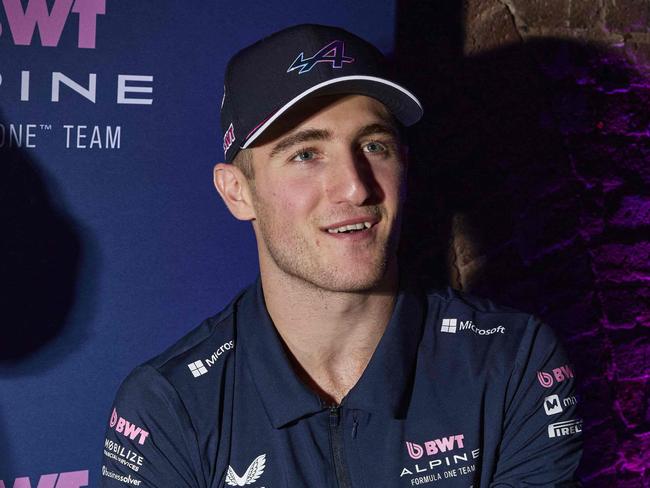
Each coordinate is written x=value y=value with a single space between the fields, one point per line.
x=332 y=370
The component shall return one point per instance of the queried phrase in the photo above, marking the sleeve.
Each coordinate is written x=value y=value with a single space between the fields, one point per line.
x=149 y=439
x=541 y=443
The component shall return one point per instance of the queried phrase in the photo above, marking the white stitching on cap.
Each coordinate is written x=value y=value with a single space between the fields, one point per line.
x=294 y=100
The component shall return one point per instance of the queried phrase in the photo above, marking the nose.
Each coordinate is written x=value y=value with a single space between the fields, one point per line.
x=351 y=180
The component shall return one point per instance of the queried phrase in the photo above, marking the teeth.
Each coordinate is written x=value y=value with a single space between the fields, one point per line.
x=345 y=228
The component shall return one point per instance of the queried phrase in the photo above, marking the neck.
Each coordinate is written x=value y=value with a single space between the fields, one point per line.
x=330 y=336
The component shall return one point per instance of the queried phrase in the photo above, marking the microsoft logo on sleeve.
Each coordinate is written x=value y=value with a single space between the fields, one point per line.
x=197 y=368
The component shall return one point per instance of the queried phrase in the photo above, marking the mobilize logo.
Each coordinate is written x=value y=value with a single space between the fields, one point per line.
x=435 y=446
x=451 y=326
x=559 y=374
x=127 y=429
x=70 y=479
x=254 y=471
x=22 y=23
x=130 y=458
x=198 y=368
x=553 y=405
x=566 y=427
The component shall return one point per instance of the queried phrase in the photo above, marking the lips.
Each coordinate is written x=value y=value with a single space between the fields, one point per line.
x=351 y=225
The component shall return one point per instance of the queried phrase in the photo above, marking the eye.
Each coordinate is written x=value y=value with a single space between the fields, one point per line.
x=303 y=155
x=374 y=147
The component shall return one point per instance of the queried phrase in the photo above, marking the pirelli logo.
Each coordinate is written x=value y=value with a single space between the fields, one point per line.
x=566 y=427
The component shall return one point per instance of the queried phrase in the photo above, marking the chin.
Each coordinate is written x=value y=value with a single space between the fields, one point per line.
x=351 y=280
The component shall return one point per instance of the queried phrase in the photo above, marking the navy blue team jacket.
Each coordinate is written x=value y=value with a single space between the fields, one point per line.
x=459 y=393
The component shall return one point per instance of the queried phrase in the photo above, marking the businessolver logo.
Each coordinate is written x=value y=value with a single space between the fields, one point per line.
x=453 y=325
x=254 y=471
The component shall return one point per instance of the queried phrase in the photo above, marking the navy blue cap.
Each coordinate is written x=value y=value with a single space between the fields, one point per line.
x=269 y=77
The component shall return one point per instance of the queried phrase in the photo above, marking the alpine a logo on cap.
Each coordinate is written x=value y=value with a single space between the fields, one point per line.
x=333 y=53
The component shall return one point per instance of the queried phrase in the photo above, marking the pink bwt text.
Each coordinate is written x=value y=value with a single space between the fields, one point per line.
x=22 y=23
x=71 y=479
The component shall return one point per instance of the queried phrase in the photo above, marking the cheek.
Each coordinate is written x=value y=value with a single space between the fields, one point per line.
x=392 y=182
x=290 y=200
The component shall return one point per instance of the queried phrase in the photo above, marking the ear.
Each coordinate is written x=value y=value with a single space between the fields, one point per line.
x=235 y=190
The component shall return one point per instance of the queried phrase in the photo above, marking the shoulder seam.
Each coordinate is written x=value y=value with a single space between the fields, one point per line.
x=215 y=327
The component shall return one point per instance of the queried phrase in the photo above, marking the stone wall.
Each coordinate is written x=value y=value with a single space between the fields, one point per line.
x=532 y=186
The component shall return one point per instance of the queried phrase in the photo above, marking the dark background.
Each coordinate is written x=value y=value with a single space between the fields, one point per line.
x=534 y=187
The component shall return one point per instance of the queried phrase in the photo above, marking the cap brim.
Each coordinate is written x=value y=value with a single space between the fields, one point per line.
x=406 y=108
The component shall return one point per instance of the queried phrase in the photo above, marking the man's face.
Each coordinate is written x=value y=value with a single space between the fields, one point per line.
x=328 y=193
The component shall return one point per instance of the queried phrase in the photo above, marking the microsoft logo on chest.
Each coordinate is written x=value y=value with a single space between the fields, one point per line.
x=453 y=325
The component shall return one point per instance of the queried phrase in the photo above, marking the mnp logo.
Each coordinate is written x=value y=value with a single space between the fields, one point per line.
x=71 y=479
x=23 y=23
x=552 y=405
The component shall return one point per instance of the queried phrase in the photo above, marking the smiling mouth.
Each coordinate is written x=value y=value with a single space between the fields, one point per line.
x=351 y=228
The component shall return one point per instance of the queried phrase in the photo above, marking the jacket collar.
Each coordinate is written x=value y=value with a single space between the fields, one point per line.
x=384 y=386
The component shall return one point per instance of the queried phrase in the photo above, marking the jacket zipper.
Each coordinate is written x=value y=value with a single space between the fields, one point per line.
x=336 y=436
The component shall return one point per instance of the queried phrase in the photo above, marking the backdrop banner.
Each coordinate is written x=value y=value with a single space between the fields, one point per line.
x=114 y=242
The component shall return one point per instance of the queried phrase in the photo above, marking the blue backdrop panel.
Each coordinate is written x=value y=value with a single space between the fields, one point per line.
x=114 y=243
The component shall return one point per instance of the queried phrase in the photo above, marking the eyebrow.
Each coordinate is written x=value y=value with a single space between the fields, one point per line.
x=324 y=135
x=299 y=138
x=371 y=129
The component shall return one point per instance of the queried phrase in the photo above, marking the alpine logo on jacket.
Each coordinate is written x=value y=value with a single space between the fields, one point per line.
x=254 y=471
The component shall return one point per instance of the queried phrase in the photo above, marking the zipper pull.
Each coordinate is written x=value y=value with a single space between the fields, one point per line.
x=354 y=426
x=334 y=416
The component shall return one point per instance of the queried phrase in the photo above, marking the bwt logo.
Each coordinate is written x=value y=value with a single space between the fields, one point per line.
x=71 y=479
x=559 y=374
x=22 y=23
x=435 y=446
x=127 y=429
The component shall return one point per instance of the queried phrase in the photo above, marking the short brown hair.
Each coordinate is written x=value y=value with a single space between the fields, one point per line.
x=244 y=161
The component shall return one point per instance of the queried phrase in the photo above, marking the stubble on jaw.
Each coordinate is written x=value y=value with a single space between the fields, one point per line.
x=297 y=260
